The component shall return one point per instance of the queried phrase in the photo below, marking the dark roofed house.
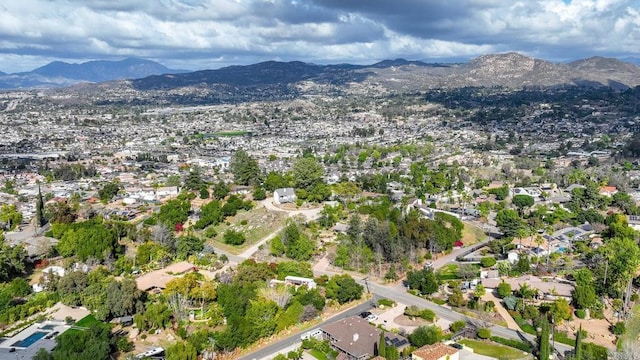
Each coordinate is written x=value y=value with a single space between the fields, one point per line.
x=356 y=339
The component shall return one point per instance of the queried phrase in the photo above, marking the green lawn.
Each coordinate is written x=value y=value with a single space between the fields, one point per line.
x=450 y=271
x=86 y=321
x=494 y=350
x=318 y=354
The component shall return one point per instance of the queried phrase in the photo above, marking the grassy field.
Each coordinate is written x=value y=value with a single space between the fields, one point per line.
x=259 y=224
x=494 y=350
x=472 y=234
x=450 y=271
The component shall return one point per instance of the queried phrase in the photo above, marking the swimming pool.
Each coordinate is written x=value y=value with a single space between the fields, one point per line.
x=30 y=339
x=48 y=327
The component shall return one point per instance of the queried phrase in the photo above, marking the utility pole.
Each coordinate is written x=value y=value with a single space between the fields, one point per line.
x=366 y=283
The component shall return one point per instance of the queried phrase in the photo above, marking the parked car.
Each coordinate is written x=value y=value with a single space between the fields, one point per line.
x=365 y=314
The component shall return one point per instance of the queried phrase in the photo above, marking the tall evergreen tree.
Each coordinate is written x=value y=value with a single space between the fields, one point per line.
x=544 y=348
x=245 y=168
x=578 y=347
x=40 y=220
x=382 y=345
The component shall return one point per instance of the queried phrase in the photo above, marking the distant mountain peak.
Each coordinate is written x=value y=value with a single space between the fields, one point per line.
x=603 y=64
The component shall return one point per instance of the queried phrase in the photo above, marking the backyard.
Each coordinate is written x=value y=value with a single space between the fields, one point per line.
x=489 y=348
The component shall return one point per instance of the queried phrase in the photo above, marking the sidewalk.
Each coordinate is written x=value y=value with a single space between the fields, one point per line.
x=511 y=324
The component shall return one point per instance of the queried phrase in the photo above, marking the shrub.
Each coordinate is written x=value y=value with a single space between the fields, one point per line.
x=484 y=333
x=244 y=222
x=412 y=311
x=618 y=328
x=232 y=237
x=487 y=261
x=457 y=326
x=428 y=315
x=597 y=314
x=386 y=302
x=581 y=313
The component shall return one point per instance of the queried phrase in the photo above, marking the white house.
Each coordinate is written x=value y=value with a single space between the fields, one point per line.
x=285 y=195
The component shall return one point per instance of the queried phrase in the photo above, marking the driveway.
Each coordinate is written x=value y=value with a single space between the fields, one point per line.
x=310 y=214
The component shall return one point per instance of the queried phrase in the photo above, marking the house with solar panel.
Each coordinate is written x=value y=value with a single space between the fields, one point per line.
x=356 y=339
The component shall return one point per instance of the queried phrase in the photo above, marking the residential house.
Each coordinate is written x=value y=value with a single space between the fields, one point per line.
x=284 y=195
x=158 y=279
x=608 y=191
x=437 y=351
x=356 y=339
x=298 y=281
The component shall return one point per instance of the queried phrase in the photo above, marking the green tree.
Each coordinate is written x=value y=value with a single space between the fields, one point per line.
x=544 y=348
x=108 y=191
x=244 y=168
x=509 y=222
x=577 y=349
x=504 y=289
x=621 y=261
x=194 y=180
x=423 y=280
x=12 y=260
x=425 y=335
x=233 y=237
x=10 y=216
x=275 y=180
x=42 y=354
x=382 y=345
x=343 y=288
x=560 y=310
x=210 y=214
x=584 y=293
x=522 y=202
x=40 y=218
x=456 y=298
x=123 y=298
x=188 y=245
x=488 y=261
x=307 y=172
x=181 y=351
x=95 y=343
x=259 y=193
x=174 y=212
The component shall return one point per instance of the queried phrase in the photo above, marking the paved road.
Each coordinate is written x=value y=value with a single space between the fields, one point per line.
x=401 y=296
x=270 y=351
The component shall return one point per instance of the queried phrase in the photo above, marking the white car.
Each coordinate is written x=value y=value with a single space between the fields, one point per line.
x=371 y=318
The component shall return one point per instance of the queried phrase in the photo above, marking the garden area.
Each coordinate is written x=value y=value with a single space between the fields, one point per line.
x=255 y=225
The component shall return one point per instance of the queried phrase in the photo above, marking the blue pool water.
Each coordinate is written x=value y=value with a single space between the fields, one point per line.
x=31 y=339
x=48 y=327
x=561 y=249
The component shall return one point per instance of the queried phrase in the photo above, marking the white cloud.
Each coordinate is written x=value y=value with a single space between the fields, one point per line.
x=211 y=33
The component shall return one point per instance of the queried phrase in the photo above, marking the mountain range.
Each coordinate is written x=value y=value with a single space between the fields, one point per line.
x=58 y=73
x=273 y=79
x=511 y=70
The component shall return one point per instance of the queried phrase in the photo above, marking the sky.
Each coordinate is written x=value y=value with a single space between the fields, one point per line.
x=209 y=34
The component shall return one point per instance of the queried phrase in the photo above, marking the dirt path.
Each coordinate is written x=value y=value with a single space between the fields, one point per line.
x=511 y=324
